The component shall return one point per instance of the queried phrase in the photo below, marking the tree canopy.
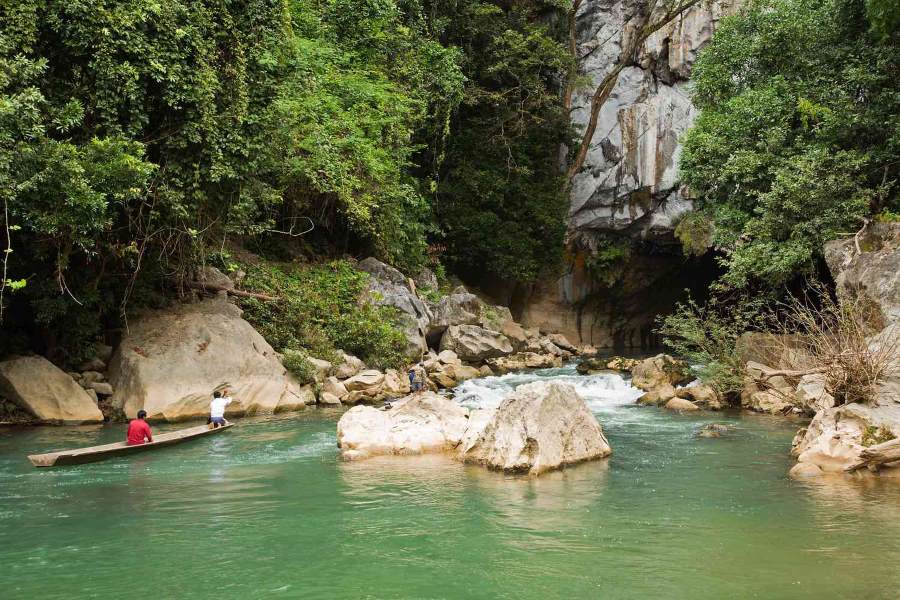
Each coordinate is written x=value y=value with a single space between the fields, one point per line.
x=137 y=137
x=798 y=140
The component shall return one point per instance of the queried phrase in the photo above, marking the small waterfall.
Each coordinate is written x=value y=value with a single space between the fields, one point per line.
x=601 y=391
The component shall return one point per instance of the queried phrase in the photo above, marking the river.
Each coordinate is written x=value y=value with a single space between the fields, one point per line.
x=268 y=510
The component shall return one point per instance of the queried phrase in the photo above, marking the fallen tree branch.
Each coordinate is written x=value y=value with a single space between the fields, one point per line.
x=877 y=455
x=211 y=287
x=791 y=373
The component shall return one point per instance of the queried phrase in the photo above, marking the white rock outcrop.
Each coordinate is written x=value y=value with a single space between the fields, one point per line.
x=47 y=392
x=419 y=424
x=540 y=427
x=170 y=361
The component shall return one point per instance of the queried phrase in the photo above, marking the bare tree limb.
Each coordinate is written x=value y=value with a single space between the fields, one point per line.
x=608 y=83
x=211 y=287
x=875 y=456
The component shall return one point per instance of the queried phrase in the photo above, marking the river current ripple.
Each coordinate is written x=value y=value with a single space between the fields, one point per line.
x=268 y=510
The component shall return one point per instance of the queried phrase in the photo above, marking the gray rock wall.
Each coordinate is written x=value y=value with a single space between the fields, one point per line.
x=629 y=182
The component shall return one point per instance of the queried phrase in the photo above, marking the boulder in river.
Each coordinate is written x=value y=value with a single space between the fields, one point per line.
x=541 y=426
x=703 y=395
x=170 y=361
x=660 y=370
x=475 y=344
x=42 y=389
x=680 y=405
x=418 y=424
x=837 y=436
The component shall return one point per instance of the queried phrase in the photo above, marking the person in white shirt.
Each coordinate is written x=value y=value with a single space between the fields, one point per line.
x=217 y=408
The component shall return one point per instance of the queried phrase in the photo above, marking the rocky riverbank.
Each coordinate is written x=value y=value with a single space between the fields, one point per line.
x=169 y=361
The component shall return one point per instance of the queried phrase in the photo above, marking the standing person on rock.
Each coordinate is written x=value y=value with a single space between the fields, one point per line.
x=217 y=408
x=138 y=430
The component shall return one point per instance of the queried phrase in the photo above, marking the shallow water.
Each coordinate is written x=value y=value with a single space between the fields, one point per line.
x=267 y=510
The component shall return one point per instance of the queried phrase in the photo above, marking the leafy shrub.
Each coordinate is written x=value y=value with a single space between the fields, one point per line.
x=299 y=365
x=319 y=310
x=706 y=336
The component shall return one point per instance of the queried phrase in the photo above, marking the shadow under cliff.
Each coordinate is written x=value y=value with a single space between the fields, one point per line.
x=620 y=316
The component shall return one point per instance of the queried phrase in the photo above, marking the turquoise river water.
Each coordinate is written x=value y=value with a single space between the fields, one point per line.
x=268 y=510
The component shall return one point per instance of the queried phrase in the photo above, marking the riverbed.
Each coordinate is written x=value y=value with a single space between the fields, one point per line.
x=268 y=510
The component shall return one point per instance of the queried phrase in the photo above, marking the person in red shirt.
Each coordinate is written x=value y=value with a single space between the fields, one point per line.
x=138 y=430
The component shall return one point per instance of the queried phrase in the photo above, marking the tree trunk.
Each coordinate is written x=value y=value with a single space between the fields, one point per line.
x=875 y=456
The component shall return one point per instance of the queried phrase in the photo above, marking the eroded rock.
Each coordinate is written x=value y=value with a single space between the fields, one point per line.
x=541 y=426
x=660 y=370
x=170 y=361
x=419 y=424
x=475 y=344
x=42 y=389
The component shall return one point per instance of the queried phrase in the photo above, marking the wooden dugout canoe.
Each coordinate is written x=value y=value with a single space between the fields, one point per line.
x=79 y=456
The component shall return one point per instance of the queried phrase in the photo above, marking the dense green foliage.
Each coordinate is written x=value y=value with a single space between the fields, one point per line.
x=320 y=312
x=136 y=136
x=500 y=198
x=799 y=136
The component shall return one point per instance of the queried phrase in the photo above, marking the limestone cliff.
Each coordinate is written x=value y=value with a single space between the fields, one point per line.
x=628 y=186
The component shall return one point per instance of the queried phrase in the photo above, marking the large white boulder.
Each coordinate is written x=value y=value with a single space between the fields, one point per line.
x=540 y=427
x=50 y=394
x=170 y=361
x=419 y=424
x=836 y=436
x=472 y=343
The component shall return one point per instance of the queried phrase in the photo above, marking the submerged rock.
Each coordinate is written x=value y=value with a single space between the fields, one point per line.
x=713 y=430
x=170 y=361
x=419 y=424
x=540 y=427
x=42 y=389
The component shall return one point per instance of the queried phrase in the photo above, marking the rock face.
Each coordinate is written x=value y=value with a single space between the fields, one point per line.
x=628 y=187
x=51 y=395
x=389 y=287
x=170 y=361
x=629 y=181
x=472 y=343
x=422 y=423
x=873 y=273
x=541 y=426
x=837 y=435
